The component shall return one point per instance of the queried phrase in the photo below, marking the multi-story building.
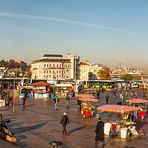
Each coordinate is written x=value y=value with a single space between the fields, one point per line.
x=55 y=66
x=2 y=72
x=89 y=71
x=75 y=71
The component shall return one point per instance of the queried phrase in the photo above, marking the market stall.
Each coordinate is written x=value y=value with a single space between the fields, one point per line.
x=90 y=90
x=140 y=102
x=123 y=123
x=64 y=89
x=87 y=108
x=85 y=96
x=41 y=90
x=123 y=109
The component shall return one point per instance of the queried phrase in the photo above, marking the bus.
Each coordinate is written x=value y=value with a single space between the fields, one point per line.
x=105 y=84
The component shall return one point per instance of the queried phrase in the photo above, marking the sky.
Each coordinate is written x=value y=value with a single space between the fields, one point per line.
x=109 y=32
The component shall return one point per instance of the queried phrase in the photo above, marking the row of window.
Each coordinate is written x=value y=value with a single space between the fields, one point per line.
x=57 y=76
x=54 y=71
x=57 y=65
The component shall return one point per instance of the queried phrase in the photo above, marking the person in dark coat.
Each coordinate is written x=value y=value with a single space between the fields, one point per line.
x=64 y=121
x=107 y=98
x=99 y=132
x=24 y=99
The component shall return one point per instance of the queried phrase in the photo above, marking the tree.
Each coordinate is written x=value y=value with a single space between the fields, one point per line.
x=104 y=74
x=91 y=76
x=28 y=74
x=127 y=77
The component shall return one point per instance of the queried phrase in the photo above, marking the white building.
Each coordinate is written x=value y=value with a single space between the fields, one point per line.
x=2 y=72
x=55 y=66
x=89 y=71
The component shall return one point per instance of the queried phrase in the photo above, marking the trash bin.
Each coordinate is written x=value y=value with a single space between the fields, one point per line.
x=123 y=132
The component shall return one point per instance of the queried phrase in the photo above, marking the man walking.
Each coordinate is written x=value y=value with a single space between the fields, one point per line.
x=107 y=98
x=67 y=100
x=64 y=121
x=99 y=132
x=24 y=99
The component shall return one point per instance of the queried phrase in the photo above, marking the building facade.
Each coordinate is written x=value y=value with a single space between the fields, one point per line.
x=54 y=67
x=89 y=71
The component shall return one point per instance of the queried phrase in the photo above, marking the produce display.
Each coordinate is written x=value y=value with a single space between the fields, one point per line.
x=87 y=109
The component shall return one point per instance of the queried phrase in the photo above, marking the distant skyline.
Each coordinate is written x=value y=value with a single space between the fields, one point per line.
x=108 y=32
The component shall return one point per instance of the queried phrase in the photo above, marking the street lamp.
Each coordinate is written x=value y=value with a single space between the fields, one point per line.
x=13 y=101
x=54 y=93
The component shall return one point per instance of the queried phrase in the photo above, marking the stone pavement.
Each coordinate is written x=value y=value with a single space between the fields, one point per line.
x=39 y=123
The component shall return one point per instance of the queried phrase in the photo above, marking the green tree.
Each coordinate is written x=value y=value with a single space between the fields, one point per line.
x=28 y=73
x=127 y=77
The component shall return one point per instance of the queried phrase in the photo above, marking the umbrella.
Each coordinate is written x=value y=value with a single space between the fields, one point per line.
x=90 y=89
x=85 y=96
x=40 y=83
x=136 y=101
x=117 y=108
x=88 y=100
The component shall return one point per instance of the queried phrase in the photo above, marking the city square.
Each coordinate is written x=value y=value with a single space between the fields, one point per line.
x=39 y=123
x=73 y=74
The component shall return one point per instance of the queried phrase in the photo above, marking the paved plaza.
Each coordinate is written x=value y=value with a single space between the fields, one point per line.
x=39 y=123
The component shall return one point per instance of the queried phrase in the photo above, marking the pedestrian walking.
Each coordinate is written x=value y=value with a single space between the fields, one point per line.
x=64 y=121
x=99 y=132
x=107 y=98
x=12 y=102
x=24 y=99
x=67 y=100
x=32 y=93
x=98 y=94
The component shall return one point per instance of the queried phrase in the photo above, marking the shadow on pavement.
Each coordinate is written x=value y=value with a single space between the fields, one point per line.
x=28 y=128
x=76 y=129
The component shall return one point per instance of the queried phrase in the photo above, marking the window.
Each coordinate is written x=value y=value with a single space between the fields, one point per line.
x=44 y=65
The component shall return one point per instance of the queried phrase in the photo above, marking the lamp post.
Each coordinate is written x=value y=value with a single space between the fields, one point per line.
x=13 y=101
x=54 y=93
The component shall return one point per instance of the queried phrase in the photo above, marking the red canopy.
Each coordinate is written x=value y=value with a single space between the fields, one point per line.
x=40 y=83
x=117 y=108
x=136 y=101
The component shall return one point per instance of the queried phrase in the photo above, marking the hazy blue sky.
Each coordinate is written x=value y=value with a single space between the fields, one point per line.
x=104 y=31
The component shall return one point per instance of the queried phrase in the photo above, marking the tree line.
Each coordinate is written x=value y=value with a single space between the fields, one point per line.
x=14 y=64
